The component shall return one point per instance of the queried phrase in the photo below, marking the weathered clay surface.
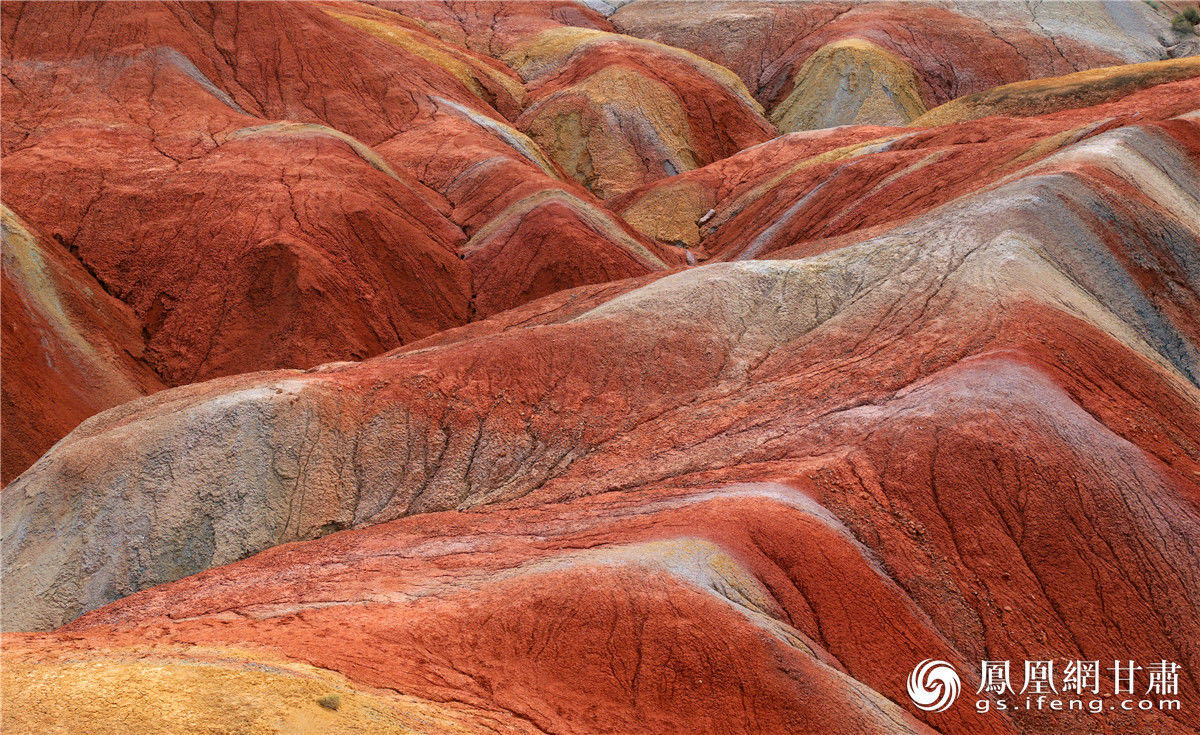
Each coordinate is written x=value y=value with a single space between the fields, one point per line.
x=1012 y=419
x=813 y=190
x=71 y=350
x=1081 y=89
x=492 y=27
x=933 y=390
x=239 y=244
x=617 y=112
x=51 y=687
x=794 y=56
x=361 y=191
x=850 y=82
x=614 y=111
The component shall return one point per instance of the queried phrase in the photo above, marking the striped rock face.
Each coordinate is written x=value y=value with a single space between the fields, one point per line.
x=817 y=64
x=808 y=191
x=617 y=112
x=250 y=223
x=533 y=367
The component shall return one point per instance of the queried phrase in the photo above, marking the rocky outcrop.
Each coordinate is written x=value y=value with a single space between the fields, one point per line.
x=1011 y=419
x=814 y=64
x=326 y=206
x=804 y=193
x=1081 y=89
x=932 y=390
x=617 y=113
x=64 y=338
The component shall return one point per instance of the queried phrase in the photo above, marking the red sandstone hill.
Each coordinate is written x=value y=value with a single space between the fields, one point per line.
x=361 y=193
x=420 y=420
x=889 y=60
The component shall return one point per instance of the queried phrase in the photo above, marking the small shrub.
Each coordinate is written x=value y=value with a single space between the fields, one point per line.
x=330 y=701
x=1192 y=14
x=1182 y=24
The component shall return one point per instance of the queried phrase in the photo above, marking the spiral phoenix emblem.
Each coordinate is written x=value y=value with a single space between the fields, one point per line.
x=933 y=685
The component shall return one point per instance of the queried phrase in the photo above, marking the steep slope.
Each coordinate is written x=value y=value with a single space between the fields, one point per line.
x=531 y=229
x=617 y=112
x=822 y=189
x=827 y=63
x=76 y=342
x=933 y=394
x=492 y=27
x=239 y=244
x=566 y=620
x=277 y=61
x=850 y=82
x=279 y=185
x=614 y=111
x=1081 y=89
x=1006 y=383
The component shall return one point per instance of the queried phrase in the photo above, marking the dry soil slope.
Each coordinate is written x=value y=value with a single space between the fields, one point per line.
x=986 y=418
x=279 y=185
x=815 y=65
x=64 y=337
x=614 y=111
x=806 y=192
x=618 y=112
x=975 y=434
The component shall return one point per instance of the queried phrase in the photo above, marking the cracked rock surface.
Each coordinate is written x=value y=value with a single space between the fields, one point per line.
x=536 y=367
